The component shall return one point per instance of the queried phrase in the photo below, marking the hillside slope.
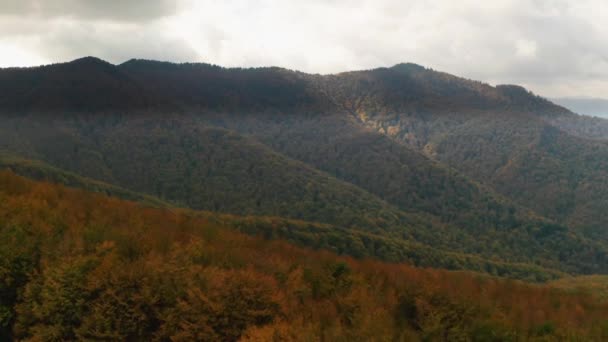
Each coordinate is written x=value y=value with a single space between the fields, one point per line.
x=188 y=163
x=77 y=265
x=368 y=151
x=199 y=167
x=38 y=170
x=519 y=144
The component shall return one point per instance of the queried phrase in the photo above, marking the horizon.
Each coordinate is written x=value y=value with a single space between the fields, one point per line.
x=552 y=48
x=583 y=105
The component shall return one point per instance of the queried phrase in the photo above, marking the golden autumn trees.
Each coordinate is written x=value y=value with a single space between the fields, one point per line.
x=82 y=266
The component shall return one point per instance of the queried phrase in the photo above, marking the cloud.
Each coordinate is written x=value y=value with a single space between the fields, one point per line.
x=41 y=32
x=536 y=43
x=554 y=47
x=119 y=10
x=114 y=43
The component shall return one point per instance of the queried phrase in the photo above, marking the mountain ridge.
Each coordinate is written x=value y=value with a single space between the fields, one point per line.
x=406 y=152
x=289 y=76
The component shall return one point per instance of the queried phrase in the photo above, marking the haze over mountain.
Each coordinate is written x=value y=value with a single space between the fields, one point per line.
x=586 y=106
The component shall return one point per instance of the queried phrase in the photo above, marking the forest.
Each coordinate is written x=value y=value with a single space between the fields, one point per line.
x=82 y=265
x=176 y=202
x=339 y=238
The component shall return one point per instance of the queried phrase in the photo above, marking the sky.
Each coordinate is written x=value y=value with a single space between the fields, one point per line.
x=556 y=48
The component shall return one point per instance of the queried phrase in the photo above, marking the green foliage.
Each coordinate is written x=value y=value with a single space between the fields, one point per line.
x=492 y=332
x=18 y=258
x=547 y=328
x=408 y=205
x=365 y=245
x=42 y=171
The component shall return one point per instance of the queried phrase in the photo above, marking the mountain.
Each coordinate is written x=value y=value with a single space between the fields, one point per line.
x=410 y=155
x=41 y=171
x=82 y=266
x=191 y=164
x=538 y=154
x=86 y=84
x=350 y=241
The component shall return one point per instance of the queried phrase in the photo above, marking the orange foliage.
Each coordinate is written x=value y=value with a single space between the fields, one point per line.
x=103 y=268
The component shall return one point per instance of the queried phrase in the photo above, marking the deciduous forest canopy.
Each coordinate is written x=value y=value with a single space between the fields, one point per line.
x=159 y=201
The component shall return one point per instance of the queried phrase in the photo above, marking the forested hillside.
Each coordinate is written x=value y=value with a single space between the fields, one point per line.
x=183 y=160
x=77 y=265
x=534 y=152
x=38 y=170
x=408 y=155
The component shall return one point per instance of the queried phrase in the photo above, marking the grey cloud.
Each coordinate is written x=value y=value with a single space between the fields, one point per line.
x=119 y=10
x=555 y=47
x=114 y=44
x=485 y=42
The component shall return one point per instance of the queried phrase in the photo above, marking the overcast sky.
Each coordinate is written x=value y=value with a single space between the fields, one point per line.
x=553 y=47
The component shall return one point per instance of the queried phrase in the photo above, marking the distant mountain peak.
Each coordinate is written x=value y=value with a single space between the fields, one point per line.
x=512 y=88
x=90 y=60
x=408 y=67
x=136 y=61
x=140 y=81
x=146 y=64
